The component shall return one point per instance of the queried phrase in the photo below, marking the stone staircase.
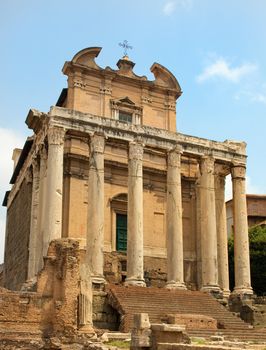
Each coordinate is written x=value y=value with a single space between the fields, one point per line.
x=159 y=302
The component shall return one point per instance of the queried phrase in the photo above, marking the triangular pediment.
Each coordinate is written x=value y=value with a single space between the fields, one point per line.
x=125 y=99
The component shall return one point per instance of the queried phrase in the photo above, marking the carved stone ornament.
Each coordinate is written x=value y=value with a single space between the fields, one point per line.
x=207 y=165
x=106 y=90
x=29 y=176
x=79 y=84
x=56 y=136
x=238 y=172
x=170 y=105
x=146 y=99
x=97 y=143
x=135 y=151
x=43 y=152
x=35 y=165
x=174 y=156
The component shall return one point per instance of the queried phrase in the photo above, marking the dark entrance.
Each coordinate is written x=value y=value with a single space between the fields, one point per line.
x=121 y=232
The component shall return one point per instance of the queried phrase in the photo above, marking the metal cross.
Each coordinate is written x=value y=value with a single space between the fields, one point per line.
x=125 y=46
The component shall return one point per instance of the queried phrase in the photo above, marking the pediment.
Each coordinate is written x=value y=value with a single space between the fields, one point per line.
x=125 y=99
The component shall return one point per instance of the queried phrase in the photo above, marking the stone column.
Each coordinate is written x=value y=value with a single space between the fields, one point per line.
x=222 y=240
x=42 y=207
x=241 y=240
x=34 y=219
x=54 y=188
x=208 y=227
x=95 y=226
x=174 y=226
x=135 y=216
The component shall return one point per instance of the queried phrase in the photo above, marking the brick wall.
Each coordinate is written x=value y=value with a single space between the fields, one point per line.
x=17 y=238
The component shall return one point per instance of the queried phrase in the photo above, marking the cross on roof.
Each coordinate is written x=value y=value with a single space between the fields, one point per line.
x=125 y=46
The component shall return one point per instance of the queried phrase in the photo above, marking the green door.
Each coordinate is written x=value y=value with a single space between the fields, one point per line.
x=121 y=232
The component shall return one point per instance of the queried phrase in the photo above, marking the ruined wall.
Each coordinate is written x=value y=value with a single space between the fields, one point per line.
x=17 y=238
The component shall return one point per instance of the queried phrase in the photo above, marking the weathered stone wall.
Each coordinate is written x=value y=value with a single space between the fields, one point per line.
x=155 y=272
x=17 y=238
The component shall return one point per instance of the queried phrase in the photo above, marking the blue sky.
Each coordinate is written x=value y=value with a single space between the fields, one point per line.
x=216 y=50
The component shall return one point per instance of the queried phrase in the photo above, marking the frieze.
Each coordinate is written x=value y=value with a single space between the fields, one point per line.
x=152 y=137
x=135 y=150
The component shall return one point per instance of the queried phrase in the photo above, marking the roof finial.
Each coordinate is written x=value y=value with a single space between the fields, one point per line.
x=125 y=46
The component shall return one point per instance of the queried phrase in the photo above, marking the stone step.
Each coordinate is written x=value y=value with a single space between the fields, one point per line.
x=159 y=302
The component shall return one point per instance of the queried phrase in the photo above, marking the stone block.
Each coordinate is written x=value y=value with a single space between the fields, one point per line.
x=141 y=321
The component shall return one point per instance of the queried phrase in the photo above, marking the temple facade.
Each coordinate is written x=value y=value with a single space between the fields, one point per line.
x=107 y=167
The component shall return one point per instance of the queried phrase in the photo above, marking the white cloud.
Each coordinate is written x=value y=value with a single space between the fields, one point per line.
x=170 y=6
x=9 y=139
x=256 y=95
x=222 y=69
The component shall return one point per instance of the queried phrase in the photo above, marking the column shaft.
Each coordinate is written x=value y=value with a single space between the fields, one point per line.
x=135 y=216
x=222 y=241
x=174 y=226
x=241 y=240
x=34 y=219
x=95 y=227
x=208 y=227
x=54 y=188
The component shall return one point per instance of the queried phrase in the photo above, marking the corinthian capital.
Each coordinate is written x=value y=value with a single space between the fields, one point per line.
x=56 y=136
x=135 y=151
x=174 y=156
x=207 y=165
x=97 y=143
x=238 y=171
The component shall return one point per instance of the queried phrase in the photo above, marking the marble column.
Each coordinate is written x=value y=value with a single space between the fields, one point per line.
x=34 y=219
x=222 y=240
x=241 y=240
x=95 y=226
x=208 y=227
x=135 y=216
x=174 y=226
x=54 y=188
x=42 y=207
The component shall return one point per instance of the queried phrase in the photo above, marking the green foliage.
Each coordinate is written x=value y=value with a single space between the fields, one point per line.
x=257 y=246
x=119 y=344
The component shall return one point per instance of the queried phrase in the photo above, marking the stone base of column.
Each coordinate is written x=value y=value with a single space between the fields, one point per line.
x=214 y=290
x=134 y=282
x=175 y=285
x=98 y=280
x=243 y=291
x=226 y=293
x=86 y=329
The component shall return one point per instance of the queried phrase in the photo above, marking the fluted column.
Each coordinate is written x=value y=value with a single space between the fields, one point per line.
x=135 y=216
x=208 y=227
x=95 y=226
x=33 y=253
x=54 y=188
x=174 y=226
x=241 y=240
x=222 y=240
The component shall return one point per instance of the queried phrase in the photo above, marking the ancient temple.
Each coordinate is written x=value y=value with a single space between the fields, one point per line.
x=107 y=167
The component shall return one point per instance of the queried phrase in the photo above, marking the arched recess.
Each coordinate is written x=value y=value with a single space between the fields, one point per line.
x=119 y=221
